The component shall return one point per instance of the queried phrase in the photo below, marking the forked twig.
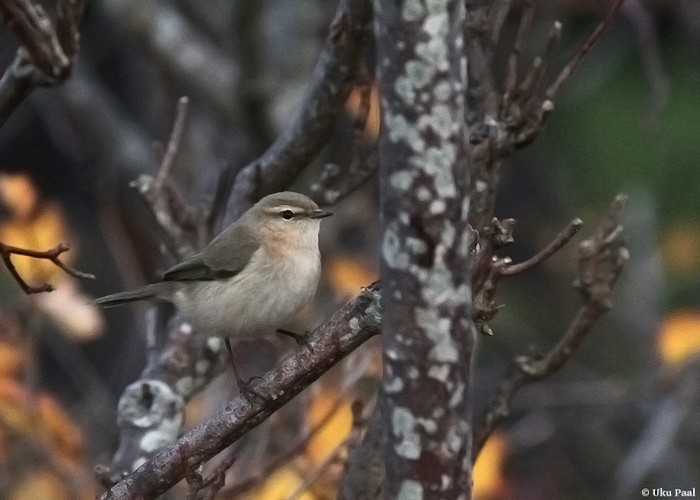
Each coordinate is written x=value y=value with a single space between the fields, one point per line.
x=168 y=204
x=601 y=259
x=6 y=252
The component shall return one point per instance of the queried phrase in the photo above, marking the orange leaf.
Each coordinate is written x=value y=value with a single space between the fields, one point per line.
x=347 y=275
x=282 y=483
x=373 y=118
x=19 y=194
x=333 y=432
x=60 y=429
x=488 y=469
x=679 y=337
x=42 y=485
x=12 y=359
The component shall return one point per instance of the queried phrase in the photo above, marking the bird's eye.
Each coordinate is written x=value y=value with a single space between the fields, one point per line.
x=287 y=214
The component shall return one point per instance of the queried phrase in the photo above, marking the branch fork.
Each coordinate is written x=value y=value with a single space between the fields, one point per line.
x=601 y=260
x=6 y=252
x=489 y=268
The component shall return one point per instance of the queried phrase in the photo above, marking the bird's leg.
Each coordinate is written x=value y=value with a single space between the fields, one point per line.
x=246 y=390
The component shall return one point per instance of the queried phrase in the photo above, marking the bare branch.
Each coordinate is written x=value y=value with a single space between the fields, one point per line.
x=347 y=329
x=36 y=33
x=312 y=126
x=501 y=122
x=167 y=203
x=68 y=15
x=47 y=53
x=601 y=259
x=221 y=196
x=561 y=240
x=511 y=76
x=173 y=146
x=336 y=182
x=583 y=50
x=6 y=252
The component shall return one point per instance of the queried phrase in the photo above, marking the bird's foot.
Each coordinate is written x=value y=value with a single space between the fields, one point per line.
x=246 y=389
x=302 y=339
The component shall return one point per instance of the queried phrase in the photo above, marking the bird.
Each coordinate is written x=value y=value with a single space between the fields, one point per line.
x=255 y=275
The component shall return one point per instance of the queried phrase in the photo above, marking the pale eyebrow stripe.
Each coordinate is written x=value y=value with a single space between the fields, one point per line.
x=281 y=208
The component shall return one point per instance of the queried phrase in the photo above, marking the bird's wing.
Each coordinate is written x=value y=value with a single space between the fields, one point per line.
x=218 y=260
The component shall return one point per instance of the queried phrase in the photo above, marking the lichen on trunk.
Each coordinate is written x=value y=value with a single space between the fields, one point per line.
x=425 y=193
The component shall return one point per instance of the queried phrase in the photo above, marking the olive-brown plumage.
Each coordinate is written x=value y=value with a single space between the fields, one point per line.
x=255 y=275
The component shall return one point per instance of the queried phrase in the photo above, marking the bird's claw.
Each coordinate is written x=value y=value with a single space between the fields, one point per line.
x=302 y=339
x=248 y=391
x=245 y=388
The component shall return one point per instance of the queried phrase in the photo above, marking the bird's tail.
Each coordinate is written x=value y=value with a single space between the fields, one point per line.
x=143 y=293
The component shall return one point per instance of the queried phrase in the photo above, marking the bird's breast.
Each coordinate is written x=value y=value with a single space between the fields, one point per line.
x=264 y=296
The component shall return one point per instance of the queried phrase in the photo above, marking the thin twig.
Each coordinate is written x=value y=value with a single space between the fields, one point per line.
x=511 y=76
x=174 y=142
x=214 y=481
x=552 y=45
x=498 y=13
x=6 y=251
x=601 y=259
x=558 y=242
x=583 y=50
x=172 y=211
x=313 y=124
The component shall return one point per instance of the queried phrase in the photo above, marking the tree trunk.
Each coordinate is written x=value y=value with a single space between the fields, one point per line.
x=425 y=191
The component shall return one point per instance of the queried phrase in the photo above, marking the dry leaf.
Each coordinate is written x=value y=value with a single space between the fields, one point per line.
x=488 y=469
x=333 y=432
x=679 y=338
x=19 y=194
x=39 y=485
x=371 y=130
x=282 y=483
x=347 y=275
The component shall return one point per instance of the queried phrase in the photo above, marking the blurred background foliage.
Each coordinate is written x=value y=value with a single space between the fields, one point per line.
x=616 y=419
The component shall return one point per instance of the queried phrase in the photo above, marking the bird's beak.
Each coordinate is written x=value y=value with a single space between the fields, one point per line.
x=320 y=214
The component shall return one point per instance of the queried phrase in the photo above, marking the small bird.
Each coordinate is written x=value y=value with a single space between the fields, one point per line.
x=255 y=275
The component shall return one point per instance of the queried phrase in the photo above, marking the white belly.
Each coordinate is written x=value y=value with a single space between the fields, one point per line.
x=251 y=303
